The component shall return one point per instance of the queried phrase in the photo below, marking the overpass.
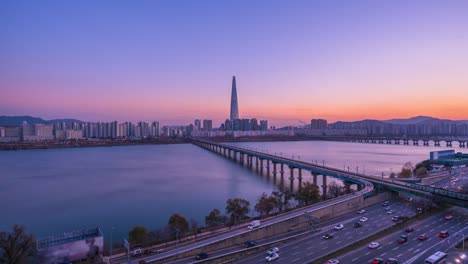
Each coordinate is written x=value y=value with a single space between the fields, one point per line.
x=246 y=155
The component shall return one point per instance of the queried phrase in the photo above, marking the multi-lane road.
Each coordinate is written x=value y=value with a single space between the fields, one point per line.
x=314 y=246
x=415 y=251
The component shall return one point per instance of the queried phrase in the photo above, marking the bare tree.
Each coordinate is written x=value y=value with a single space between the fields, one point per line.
x=16 y=247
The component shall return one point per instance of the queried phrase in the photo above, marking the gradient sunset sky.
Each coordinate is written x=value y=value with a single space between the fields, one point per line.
x=173 y=61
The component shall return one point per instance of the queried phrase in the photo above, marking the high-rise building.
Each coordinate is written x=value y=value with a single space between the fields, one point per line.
x=246 y=124
x=234 y=105
x=263 y=125
x=155 y=129
x=253 y=124
x=197 y=124
x=207 y=125
x=318 y=124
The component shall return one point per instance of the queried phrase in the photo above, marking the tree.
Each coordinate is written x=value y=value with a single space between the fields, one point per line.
x=238 y=208
x=334 y=190
x=265 y=204
x=278 y=196
x=421 y=171
x=16 y=247
x=178 y=223
x=308 y=194
x=215 y=218
x=137 y=234
x=392 y=175
x=407 y=170
x=286 y=195
x=194 y=227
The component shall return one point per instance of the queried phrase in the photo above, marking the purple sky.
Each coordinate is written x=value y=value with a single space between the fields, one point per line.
x=173 y=61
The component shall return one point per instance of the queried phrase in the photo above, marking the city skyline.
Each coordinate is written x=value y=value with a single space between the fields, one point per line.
x=161 y=61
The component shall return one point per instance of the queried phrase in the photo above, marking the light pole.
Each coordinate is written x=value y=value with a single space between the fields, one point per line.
x=110 y=252
x=177 y=237
x=463 y=239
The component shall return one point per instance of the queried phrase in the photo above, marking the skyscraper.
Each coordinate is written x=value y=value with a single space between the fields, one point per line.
x=234 y=106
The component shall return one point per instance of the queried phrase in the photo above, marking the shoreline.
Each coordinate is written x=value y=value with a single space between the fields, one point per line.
x=164 y=141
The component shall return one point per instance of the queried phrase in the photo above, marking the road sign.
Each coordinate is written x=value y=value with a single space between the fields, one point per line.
x=126 y=244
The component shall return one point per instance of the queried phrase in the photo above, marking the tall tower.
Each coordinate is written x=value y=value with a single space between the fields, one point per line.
x=234 y=106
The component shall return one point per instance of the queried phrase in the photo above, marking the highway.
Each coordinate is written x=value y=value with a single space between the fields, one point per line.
x=415 y=251
x=310 y=248
x=237 y=232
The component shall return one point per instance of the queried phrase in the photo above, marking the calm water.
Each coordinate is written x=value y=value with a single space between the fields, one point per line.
x=58 y=190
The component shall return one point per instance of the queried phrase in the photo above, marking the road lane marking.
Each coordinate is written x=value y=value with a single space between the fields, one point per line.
x=396 y=248
x=355 y=259
x=294 y=260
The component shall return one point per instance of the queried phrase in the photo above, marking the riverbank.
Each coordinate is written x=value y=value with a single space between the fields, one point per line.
x=88 y=143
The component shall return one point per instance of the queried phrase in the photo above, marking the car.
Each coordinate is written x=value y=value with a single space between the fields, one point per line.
x=390 y=212
x=443 y=234
x=272 y=250
x=357 y=225
x=376 y=261
x=272 y=257
x=333 y=261
x=409 y=229
x=363 y=219
x=387 y=208
x=373 y=245
x=422 y=237
x=448 y=217
x=137 y=252
x=327 y=236
x=392 y=261
x=385 y=203
x=395 y=218
x=403 y=239
x=361 y=211
x=250 y=243
x=419 y=209
x=339 y=227
x=202 y=255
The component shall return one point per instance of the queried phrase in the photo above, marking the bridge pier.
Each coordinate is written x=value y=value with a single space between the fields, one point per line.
x=268 y=167
x=256 y=163
x=405 y=142
x=449 y=143
x=437 y=143
x=274 y=169
x=426 y=142
x=415 y=142
x=461 y=144
x=291 y=178
x=389 y=141
x=397 y=142
x=241 y=158
x=315 y=177
x=282 y=170
x=261 y=165
x=347 y=186
x=300 y=178
x=324 y=187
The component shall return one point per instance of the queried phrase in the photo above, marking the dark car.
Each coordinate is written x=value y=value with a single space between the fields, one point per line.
x=409 y=229
x=327 y=236
x=202 y=255
x=392 y=261
x=403 y=239
x=250 y=243
x=357 y=225
x=376 y=261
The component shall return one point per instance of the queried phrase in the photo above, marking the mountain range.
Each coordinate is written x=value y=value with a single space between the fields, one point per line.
x=18 y=120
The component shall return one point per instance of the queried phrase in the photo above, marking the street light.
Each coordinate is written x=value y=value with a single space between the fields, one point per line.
x=177 y=237
x=110 y=252
x=463 y=239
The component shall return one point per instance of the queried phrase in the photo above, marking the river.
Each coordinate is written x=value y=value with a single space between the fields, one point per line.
x=58 y=190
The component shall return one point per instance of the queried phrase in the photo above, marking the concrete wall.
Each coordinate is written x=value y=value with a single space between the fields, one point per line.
x=434 y=179
x=296 y=223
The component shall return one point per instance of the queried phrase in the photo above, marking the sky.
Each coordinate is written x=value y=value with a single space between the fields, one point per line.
x=173 y=61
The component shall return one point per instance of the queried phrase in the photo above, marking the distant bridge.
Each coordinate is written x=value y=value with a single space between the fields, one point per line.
x=246 y=155
x=410 y=140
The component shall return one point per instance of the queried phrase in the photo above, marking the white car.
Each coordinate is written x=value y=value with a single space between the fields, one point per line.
x=272 y=257
x=361 y=211
x=390 y=212
x=339 y=227
x=333 y=261
x=363 y=219
x=272 y=250
x=373 y=245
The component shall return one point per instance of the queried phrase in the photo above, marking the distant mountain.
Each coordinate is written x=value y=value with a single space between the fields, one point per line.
x=408 y=121
x=18 y=120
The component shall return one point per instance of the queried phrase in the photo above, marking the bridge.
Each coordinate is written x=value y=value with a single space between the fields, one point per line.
x=410 y=140
x=248 y=156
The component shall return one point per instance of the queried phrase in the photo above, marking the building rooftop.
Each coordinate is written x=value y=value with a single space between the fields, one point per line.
x=68 y=237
